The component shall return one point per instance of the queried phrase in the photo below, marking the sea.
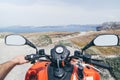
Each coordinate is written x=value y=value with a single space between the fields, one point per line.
x=70 y=28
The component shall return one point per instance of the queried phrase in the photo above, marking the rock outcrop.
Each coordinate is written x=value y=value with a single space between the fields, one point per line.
x=109 y=26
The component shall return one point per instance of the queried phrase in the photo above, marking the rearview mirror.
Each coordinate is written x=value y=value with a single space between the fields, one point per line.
x=103 y=40
x=106 y=40
x=15 y=40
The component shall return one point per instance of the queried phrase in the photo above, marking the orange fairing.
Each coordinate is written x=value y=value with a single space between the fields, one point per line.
x=39 y=72
x=43 y=75
x=33 y=71
x=91 y=74
x=74 y=74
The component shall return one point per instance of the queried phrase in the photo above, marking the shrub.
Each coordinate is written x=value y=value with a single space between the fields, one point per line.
x=44 y=40
x=65 y=43
x=115 y=64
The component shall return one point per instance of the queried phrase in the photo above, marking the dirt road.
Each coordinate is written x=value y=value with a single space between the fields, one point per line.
x=8 y=52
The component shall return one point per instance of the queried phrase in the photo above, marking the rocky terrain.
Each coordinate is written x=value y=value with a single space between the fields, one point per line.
x=109 y=26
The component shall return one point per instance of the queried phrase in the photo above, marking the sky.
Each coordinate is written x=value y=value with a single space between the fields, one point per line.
x=58 y=12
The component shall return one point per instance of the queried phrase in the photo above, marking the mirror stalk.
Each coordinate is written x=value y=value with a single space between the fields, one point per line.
x=87 y=46
x=31 y=45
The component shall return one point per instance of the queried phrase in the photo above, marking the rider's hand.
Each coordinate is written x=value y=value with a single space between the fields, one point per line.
x=19 y=60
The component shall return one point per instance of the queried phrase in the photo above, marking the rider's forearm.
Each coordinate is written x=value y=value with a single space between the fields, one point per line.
x=5 y=68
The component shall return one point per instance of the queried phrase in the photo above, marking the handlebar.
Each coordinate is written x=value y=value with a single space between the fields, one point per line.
x=86 y=58
x=32 y=57
x=101 y=65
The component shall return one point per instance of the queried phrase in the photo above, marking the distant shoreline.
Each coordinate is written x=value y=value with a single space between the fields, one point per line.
x=49 y=29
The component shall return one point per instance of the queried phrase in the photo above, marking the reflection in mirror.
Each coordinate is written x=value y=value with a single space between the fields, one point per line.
x=15 y=40
x=106 y=40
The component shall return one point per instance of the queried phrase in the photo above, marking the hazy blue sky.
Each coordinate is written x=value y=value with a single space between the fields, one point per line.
x=58 y=12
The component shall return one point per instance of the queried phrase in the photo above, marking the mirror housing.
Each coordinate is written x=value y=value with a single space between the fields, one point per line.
x=15 y=40
x=106 y=40
x=103 y=40
x=18 y=40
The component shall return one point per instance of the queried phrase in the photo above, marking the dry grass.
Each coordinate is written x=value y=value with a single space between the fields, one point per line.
x=50 y=34
x=83 y=40
x=40 y=38
x=80 y=41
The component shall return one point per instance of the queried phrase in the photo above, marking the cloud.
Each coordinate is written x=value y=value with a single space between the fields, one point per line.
x=18 y=2
x=36 y=14
x=53 y=12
